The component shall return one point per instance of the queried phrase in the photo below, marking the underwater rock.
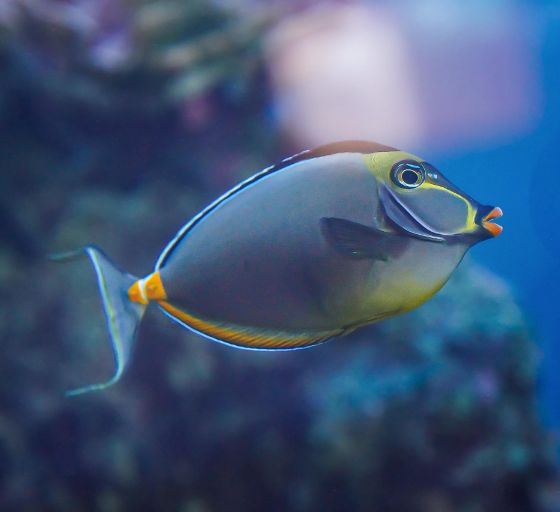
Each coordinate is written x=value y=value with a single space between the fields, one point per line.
x=436 y=405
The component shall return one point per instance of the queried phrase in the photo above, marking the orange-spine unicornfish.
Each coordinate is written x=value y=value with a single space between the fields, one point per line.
x=325 y=242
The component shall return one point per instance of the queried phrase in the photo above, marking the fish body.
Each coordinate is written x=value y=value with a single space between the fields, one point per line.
x=329 y=240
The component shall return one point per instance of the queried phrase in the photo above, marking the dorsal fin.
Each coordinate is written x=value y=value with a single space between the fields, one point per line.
x=349 y=146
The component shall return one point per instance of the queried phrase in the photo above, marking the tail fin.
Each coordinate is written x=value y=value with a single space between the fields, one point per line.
x=123 y=316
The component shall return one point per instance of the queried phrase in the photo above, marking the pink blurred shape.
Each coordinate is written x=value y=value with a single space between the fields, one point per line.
x=439 y=75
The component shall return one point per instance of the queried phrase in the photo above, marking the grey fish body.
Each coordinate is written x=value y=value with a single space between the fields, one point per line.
x=261 y=260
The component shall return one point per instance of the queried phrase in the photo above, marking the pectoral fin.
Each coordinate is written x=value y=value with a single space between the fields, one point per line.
x=357 y=241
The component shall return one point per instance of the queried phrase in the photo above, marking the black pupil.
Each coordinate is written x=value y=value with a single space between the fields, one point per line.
x=409 y=177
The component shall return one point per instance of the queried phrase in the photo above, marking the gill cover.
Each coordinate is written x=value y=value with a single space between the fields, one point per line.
x=404 y=218
x=123 y=316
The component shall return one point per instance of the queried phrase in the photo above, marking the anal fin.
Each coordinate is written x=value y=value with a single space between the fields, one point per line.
x=248 y=337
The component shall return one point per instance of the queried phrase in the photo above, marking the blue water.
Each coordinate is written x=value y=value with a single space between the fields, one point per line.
x=523 y=177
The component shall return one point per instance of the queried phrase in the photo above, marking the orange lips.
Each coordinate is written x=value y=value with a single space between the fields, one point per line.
x=495 y=229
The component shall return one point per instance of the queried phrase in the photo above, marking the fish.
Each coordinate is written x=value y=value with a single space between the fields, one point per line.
x=307 y=250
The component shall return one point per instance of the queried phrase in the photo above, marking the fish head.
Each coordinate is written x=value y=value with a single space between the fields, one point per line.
x=417 y=199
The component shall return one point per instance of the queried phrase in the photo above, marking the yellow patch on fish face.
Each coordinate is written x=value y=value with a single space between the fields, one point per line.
x=434 y=199
x=380 y=164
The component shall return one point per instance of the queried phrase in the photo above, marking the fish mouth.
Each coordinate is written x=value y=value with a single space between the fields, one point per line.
x=489 y=225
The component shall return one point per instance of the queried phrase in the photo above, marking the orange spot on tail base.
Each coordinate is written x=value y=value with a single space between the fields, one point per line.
x=153 y=287
x=147 y=289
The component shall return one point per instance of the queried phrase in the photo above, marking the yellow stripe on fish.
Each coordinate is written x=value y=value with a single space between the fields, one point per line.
x=248 y=337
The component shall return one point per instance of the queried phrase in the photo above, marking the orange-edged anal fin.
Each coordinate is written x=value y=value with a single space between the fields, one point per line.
x=147 y=289
x=249 y=337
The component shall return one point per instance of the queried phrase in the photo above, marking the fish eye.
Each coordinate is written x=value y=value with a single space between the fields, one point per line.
x=408 y=174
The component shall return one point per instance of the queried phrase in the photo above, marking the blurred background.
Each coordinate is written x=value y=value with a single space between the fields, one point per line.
x=121 y=119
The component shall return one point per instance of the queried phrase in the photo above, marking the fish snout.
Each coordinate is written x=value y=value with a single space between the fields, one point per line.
x=485 y=218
